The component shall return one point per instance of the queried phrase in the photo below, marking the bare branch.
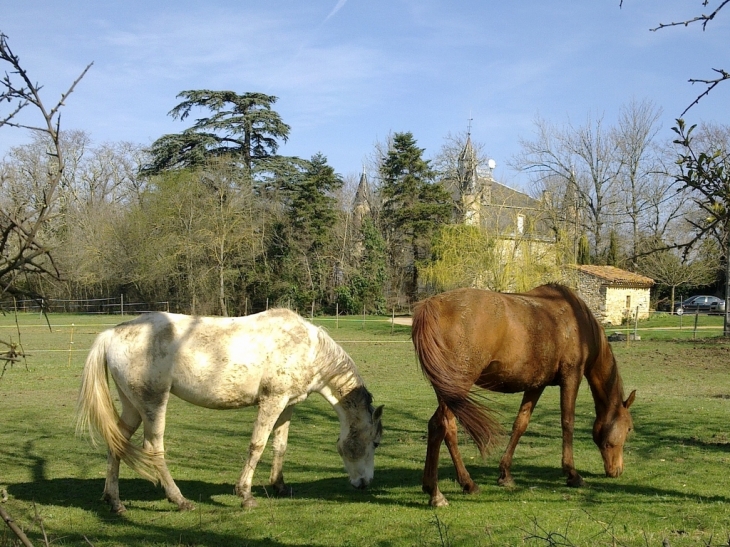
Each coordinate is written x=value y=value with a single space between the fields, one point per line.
x=724 y=75
x=703 y=18
x=21 y=251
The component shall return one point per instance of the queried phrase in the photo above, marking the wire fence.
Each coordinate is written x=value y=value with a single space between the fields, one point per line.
x=101 y=306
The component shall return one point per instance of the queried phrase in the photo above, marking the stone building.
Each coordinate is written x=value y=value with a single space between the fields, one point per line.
x=613 y=294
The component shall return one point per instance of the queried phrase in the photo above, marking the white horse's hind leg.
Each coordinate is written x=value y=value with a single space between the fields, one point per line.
x=154 y=430
x=128 y=423
x=278 y=444
x=269 y=412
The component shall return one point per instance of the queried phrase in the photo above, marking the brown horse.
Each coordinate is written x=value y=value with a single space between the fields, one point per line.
x=511 y=343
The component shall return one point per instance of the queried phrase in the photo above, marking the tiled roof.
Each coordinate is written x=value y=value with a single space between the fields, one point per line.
x=616 y=275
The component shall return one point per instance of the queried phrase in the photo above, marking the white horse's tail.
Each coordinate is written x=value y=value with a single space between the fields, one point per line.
x=96 y=413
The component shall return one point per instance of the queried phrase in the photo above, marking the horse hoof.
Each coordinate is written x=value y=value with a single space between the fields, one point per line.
x=283 y=492
x=117 y=509
x=507 y=482
x=438 y=501
x=576 y=482
x=185 y=506
x=249 y=503
x=471 y=488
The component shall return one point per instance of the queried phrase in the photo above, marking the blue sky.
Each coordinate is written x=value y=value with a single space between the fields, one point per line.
x=349 y=72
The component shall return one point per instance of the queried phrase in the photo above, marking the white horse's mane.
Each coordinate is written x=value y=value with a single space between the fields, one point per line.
x=336 y=362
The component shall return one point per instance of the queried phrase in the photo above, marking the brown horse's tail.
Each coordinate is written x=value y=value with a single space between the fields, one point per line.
x=96 y=413
x=452 y=386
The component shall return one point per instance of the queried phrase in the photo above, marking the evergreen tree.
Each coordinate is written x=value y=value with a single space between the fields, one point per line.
x=365 y=287
x=612 y=258
x=239 y=126
x=303 y=253
x=413 y=208
x=584 y=250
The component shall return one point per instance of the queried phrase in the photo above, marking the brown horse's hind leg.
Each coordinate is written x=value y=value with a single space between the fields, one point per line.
x=437 y=426
x=462 y=475
x=529 y=401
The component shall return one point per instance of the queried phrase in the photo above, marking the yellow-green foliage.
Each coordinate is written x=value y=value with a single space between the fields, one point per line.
x=469 y=256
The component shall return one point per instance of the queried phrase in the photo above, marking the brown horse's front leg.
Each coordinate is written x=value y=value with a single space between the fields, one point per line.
x=529 y=402
x=462 y=475
x=436 y=434
x=568 y=394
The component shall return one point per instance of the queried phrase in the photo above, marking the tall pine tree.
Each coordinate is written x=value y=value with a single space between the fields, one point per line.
x=414 y=206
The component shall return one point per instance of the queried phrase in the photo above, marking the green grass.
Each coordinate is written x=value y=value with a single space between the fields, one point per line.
x=675 y=485
x=665 y=326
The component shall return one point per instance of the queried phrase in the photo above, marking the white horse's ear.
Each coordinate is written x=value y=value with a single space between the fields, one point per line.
x=378 y=413
x=628 y=402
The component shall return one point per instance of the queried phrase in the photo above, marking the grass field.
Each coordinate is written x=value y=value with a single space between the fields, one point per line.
x=675 y=486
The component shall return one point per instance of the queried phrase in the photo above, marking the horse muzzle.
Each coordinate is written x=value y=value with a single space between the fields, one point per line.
x=614 y=471
x=361 y=483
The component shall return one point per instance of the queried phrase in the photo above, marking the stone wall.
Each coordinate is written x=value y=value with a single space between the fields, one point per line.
x=593 y=293
x=622 y=302
x=609 y=304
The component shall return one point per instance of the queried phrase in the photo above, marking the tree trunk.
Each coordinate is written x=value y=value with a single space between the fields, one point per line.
x=726 y=322
x=222 y=281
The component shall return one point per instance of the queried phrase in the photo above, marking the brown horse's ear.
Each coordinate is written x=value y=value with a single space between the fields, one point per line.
x=628 y=402
x=378 y=413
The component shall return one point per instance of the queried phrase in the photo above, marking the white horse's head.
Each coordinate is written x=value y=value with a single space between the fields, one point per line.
x=360 y=436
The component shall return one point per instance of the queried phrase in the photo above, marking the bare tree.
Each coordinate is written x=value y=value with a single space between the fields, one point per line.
x=584 y=162
x=24 y=253
x=669 y=268
x=648 y=202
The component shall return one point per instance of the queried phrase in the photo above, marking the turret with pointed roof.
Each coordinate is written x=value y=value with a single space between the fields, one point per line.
x=361 y=205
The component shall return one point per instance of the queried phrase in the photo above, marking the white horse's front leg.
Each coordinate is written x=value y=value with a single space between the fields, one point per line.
x=278 y=443
x=267 y=417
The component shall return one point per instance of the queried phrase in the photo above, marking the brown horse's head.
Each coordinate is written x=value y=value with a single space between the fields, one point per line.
x=610 y=432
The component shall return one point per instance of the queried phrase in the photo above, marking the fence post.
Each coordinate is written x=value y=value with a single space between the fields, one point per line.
x=121 y=304
x=337 y=315
x=71 y=345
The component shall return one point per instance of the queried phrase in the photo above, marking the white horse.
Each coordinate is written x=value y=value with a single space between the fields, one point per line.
x=273 y=359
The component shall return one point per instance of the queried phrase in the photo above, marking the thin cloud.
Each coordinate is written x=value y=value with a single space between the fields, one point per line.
x=337 y=8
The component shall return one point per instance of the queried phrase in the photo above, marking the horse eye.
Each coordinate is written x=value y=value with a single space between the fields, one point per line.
x=376 y=445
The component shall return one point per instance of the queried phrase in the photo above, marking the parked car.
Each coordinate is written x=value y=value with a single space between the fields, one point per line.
x=701 y=304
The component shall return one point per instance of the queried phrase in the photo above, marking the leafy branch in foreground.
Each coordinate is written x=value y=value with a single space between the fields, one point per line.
x=704 y=168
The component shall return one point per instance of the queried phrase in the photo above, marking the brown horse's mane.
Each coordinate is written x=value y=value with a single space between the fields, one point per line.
x=601 y=368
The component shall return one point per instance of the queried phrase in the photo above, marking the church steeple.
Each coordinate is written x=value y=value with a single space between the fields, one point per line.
x=469 y=184
x=361 y=205
x=467 y=167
